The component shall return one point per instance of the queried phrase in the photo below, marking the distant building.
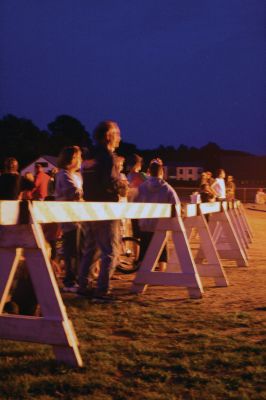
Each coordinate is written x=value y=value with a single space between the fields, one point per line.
x=183 y=171
x=48 y=163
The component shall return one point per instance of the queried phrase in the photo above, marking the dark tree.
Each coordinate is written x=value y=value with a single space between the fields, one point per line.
x=21 y=139
x=167 y=153
x=194 y=154
x=183 y=153
x=67 y=131
x=127 y=149
x=211 y=156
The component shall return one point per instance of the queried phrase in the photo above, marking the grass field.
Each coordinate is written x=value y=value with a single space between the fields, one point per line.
x=159 y=345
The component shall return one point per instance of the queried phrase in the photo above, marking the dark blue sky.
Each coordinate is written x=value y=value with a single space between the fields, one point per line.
x=169 y=71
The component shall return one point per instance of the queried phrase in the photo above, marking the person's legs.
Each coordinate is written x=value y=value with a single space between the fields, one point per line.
x=108 y=240
x=90 y=253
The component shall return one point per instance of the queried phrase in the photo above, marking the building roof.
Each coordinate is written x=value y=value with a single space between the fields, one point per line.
x=51 y=159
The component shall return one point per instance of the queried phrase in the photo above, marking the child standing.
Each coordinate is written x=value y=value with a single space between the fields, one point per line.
x=69 y=188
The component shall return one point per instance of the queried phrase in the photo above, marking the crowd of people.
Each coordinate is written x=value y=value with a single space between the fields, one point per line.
x=99 y=176
x=216 y=189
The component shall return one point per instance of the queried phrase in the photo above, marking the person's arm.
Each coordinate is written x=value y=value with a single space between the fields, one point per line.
x=215 y=187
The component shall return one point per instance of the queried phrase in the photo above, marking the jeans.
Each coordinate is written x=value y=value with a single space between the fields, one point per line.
x=101 y=241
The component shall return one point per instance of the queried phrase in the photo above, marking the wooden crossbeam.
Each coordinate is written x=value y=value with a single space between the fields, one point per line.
x=34 y=329
x=66 y=211
x=63 y=211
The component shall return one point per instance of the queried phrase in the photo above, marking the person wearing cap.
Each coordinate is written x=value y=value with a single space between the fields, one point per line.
x=135 y=176
x=41 y=183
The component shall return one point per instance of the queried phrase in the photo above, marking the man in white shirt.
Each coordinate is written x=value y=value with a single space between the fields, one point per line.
x=218 y=185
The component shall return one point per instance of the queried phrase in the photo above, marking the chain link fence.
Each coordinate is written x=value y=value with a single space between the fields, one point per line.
x=244 y=194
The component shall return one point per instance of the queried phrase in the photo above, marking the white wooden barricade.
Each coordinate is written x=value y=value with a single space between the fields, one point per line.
x=218 y=238
x=240 y=210
x=183 y=275
x=209 y=264
x=232 y=210
x=26 y=238
x=225 y=237
x=182 y=269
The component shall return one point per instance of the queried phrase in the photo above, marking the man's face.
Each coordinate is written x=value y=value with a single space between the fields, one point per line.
x=222 y=175
x=114 y=137
x=38 y=168
x=14 y=165
x=76 y=161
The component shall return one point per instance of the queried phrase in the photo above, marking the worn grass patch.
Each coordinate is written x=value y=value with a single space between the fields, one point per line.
x=145 y=350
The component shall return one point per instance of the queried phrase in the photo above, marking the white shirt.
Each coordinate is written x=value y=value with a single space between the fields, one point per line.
x=77 y=178
x=219 y=187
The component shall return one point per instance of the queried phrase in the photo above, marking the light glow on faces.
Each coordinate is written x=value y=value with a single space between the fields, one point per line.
x=114 y=137
x=76 y=162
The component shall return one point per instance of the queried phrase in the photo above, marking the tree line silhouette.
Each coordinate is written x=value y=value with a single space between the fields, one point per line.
x=22 y=139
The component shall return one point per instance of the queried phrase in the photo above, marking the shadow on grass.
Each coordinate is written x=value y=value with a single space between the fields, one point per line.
x=35 y=367
x=16 y=353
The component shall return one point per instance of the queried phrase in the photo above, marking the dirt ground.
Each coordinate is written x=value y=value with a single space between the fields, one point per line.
x=247 y=285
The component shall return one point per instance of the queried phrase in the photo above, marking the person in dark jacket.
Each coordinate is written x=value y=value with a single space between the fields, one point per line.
x=101 y=182
x=69 y=188
x=206 y=194
x=12 y=184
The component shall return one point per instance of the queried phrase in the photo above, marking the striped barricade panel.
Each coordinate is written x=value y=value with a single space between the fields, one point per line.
x=56 y=211
x=66 y=211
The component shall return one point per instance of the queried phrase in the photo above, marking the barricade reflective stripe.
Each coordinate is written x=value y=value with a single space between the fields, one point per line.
x=208 y=208
x=82 y=211
x=66 y=211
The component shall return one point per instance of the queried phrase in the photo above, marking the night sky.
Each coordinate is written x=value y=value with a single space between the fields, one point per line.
x=169 y=72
